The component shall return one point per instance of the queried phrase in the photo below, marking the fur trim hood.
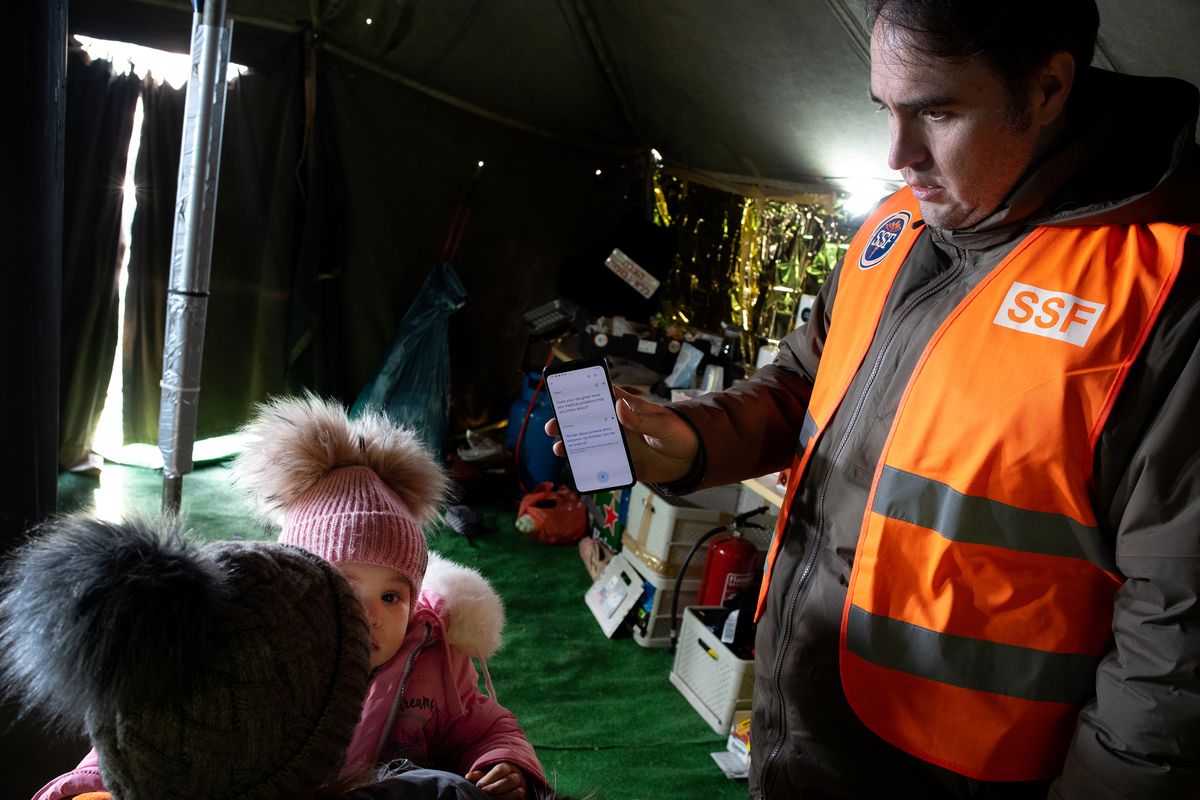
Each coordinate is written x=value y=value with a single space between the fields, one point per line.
x=474 y=611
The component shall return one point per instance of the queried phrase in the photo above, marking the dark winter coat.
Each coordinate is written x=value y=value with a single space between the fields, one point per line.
x=1140 y=736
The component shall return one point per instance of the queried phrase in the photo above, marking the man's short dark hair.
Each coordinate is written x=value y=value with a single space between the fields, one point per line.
x=1016 y=37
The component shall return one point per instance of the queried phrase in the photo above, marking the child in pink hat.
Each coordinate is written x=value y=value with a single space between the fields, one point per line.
x=358 y=493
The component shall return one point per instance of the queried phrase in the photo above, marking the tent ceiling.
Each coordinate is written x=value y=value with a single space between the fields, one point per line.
x=760 y=91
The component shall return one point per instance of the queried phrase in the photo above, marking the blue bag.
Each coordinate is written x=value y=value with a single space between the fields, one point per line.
x=412 y=386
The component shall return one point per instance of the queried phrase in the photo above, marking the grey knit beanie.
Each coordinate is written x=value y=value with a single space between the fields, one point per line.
x=232 y=670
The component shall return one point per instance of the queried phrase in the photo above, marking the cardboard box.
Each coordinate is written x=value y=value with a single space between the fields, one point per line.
x=738 y=742
x=607 y=512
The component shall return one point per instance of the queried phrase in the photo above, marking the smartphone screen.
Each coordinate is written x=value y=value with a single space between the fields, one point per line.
x=582 y=397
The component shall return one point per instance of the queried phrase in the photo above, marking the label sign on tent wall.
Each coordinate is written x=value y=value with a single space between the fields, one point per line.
x=629 y=271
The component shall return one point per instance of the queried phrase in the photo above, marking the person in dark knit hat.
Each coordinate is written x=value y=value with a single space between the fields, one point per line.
x=230 y=670
x=358 y=493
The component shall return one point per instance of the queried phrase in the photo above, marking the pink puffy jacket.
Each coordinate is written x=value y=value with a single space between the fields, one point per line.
x=425 y=704
x=426 y=699
x=84 y=778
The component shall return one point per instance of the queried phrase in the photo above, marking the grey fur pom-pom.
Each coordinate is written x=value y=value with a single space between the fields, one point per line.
x=98 y=616
x=293 y=442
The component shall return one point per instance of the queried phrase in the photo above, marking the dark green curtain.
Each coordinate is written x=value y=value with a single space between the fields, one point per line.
x=99 y=123
x=406 y=161
x=255 y=249
x=314 y=338
x=336 y=194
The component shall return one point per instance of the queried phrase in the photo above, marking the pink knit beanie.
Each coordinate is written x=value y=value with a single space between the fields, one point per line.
x=350 y=491
x=350 y=516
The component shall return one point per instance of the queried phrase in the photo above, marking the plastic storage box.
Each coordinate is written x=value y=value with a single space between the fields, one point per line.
x=652 y=617
x=660 y=530
x=714 y=680
x=627 y=596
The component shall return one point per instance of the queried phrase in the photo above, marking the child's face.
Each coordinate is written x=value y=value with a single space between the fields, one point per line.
x=385 y=595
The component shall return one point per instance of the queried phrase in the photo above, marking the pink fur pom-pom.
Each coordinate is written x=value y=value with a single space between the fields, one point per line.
x=293 y=442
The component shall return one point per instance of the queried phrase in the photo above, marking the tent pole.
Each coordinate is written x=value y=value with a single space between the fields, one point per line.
x=191 y=245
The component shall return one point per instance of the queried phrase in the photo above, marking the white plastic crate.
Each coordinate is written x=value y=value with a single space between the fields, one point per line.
x=714 y=680
x=660 y=530
x=652 y=627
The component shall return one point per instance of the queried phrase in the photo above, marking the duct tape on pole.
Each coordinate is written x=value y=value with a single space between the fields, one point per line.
x=191 y=246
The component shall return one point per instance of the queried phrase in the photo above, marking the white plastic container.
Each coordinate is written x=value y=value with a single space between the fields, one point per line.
x=660 y=530
x=714 y=680
x=652 y=627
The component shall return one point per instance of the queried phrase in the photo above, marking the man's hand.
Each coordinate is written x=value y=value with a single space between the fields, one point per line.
x=504 y=781
x=661 y=444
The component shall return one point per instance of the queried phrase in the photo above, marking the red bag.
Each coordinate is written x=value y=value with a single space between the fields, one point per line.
x=553 y=516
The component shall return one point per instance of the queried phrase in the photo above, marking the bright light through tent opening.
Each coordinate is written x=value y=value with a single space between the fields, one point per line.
x=109 y=437
x=109 y=440
x=861 y=195
x=163 y=67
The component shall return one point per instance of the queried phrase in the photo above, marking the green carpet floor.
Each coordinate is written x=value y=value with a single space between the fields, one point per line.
x=604 y=718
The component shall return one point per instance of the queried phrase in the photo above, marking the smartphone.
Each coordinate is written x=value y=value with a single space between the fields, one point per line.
x=582 y=396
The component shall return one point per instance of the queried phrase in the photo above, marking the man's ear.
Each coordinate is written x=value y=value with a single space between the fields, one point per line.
x=1052 y=87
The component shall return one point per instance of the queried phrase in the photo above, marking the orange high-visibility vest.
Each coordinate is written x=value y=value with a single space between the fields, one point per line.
x=981 y=597
x=881 y=245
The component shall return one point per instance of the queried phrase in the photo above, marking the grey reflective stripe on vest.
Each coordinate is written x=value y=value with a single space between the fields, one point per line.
x=808 y=429
x=977 y=520
x=972 y=663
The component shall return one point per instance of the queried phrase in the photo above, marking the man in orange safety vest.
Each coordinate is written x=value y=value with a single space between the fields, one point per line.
x=985 y=581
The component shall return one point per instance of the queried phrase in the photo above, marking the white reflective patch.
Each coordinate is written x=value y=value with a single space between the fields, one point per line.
x=1055 y=315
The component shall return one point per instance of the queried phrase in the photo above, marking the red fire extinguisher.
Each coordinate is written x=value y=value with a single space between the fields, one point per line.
x=728 y=568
